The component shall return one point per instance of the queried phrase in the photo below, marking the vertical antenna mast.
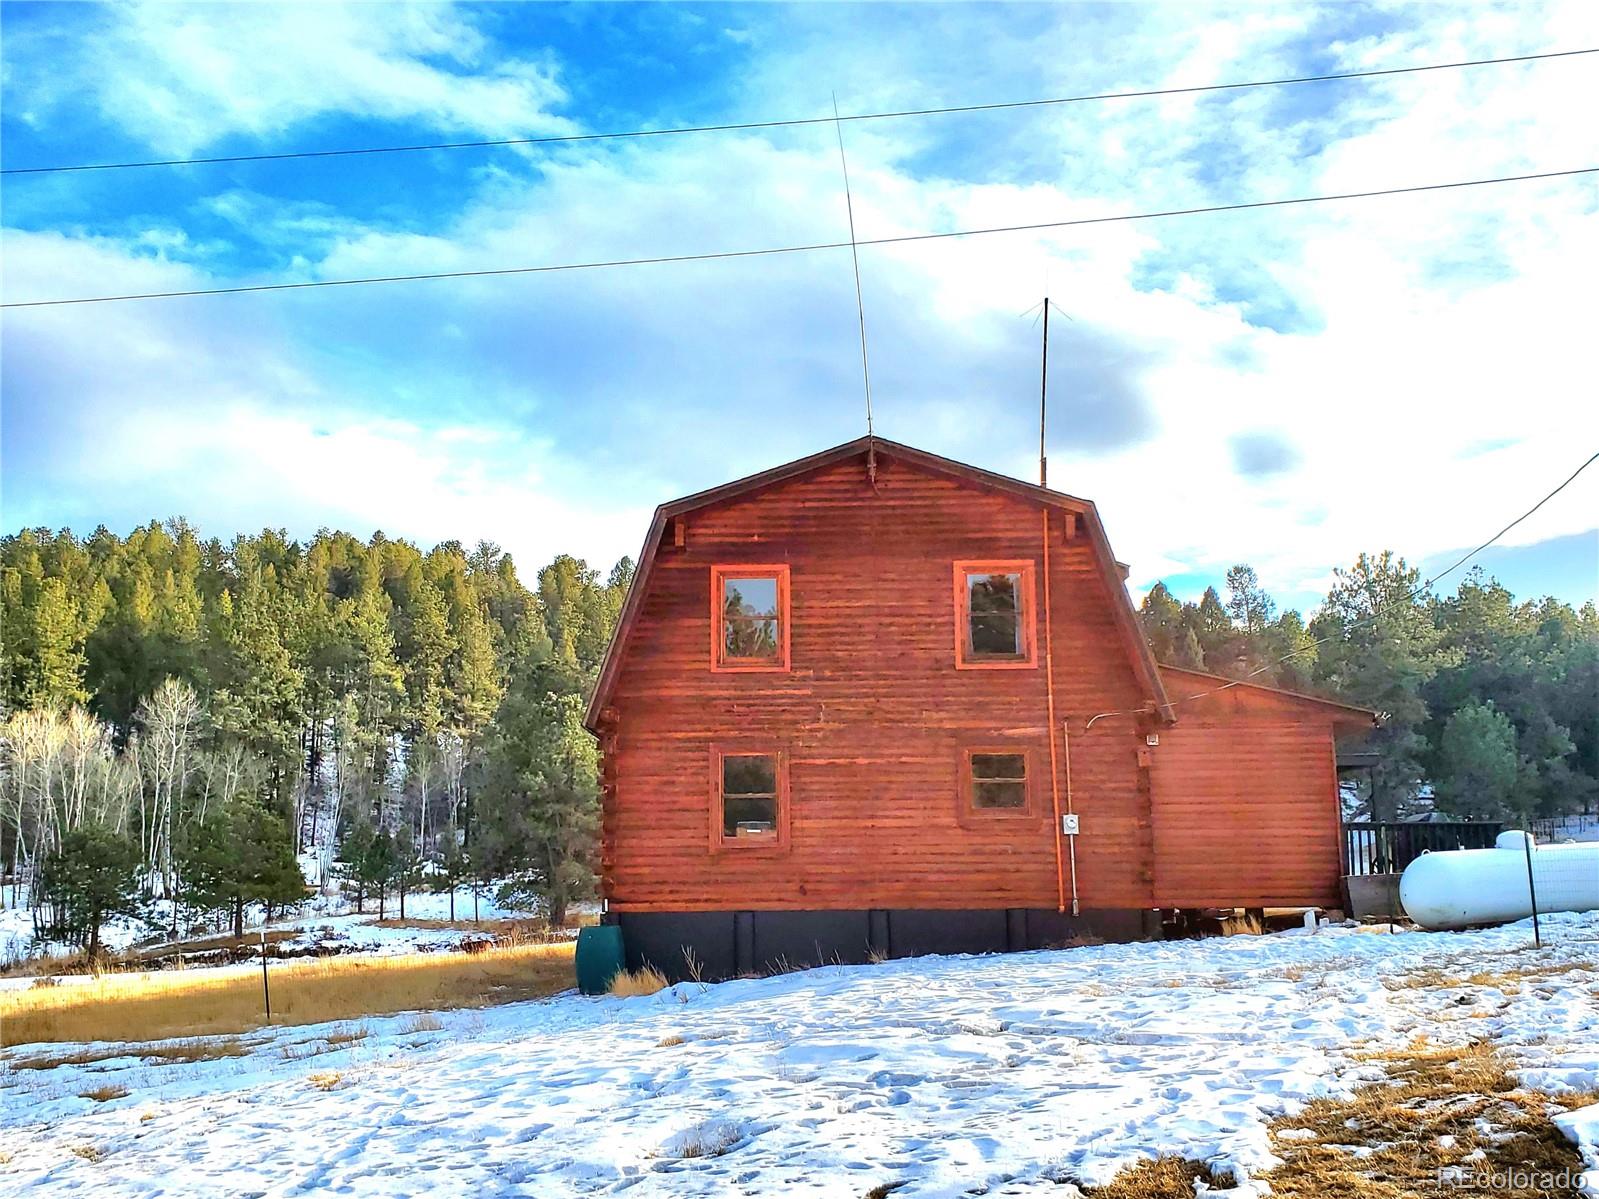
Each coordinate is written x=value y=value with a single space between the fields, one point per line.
x=1043 y=402
x=860 y=305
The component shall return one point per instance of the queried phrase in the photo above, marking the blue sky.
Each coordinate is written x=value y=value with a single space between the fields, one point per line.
x=1288 y=387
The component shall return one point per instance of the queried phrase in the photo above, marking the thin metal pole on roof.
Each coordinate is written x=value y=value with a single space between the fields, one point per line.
x=855 y=258
x=1043 y=387
x=1043 y=402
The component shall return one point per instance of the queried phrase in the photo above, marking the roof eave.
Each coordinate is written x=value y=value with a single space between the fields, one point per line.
x=1349 y=714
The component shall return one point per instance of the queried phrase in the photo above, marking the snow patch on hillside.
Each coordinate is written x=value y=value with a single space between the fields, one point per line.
x=329 y=921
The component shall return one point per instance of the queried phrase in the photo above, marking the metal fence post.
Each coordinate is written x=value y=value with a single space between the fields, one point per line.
x=1532 y=887
x=266 y=992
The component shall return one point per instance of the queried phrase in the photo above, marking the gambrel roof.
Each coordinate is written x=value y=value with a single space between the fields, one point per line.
x=861 y=448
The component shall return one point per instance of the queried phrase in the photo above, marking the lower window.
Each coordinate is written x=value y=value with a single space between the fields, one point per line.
x=995 y=782
x=999 y=781
x=748 y=798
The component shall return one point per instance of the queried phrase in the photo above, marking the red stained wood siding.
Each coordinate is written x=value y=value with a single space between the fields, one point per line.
x=1246 y=797
x=873 y=715
x=874 y=719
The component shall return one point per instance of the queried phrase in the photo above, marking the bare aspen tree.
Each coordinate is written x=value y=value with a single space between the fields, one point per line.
x=61 y=772
x=170 y=718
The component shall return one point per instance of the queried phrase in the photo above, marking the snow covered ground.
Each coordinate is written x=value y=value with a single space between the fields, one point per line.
x=945 y=1074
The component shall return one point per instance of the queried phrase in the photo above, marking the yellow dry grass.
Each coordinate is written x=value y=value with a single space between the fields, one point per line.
x=186 y=1003
x=164 y=1051
x=1508 y=981
x=1440 y=1107
x=645 y=981
x=105 y=1093
x=1161 y=1178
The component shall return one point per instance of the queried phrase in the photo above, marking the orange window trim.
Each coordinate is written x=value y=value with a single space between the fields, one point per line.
x=722 y=664
x=720 y=841
x=964 y=658
x=970 y=814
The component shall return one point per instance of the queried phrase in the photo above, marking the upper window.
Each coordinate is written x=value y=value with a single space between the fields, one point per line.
x=994 y=610
x=749 y=798
x=749 y=618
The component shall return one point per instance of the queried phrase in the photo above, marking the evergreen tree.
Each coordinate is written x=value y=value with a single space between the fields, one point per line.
x=1381 y=649
x=453 y=864
x=1290 y=646
x=240 y=854
x=1248 y=605
x=271 y=875
x=1162 y=619
x=472 y=674
x=578 y=613
x=425 y=647
x=260 y=699
x=380 y=867
x=407 y=865
x=56 y=677
x=539 y=806
x=1477 y=771
x=1212 y=627
x=91 y=877
x=355 y=850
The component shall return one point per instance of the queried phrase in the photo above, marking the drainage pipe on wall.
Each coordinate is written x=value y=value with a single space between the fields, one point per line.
x=1459 y=888
x=1054 y=773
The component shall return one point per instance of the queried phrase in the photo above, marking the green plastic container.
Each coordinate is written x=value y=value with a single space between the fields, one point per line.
x=599 y=958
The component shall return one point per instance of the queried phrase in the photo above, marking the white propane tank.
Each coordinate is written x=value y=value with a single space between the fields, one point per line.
x=1459 y=888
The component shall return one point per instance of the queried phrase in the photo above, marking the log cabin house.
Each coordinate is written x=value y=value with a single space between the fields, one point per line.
x=876 y=702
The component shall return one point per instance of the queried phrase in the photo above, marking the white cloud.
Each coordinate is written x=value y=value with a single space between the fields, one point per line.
x=214 y=413
x=182 y=77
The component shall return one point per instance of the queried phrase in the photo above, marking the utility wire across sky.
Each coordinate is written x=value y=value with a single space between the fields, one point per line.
x=743 y=126
x=708 y=256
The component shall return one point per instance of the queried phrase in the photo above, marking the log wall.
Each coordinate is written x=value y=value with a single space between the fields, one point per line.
x=873 y=718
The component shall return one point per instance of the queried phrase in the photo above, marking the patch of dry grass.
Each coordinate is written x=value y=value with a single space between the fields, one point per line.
x=1162 y=1178
x=127 y=1007
x=644 y=981
x=1509 y=981
x=1441 y=1107
x=89 y=1153
x=198 y=1050
x=669 y=1042
x=709 y=1138
x=106 y=1093
x=326 y=1080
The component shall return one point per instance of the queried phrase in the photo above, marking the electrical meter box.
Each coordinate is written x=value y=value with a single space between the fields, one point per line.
x=1068 y=824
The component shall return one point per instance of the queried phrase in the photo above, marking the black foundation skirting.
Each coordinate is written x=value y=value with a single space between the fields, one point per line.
x=718 y=945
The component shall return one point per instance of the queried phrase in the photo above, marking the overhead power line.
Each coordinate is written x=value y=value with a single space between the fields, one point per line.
x=745 y=126
x=1425 y=585
x=708 y=256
